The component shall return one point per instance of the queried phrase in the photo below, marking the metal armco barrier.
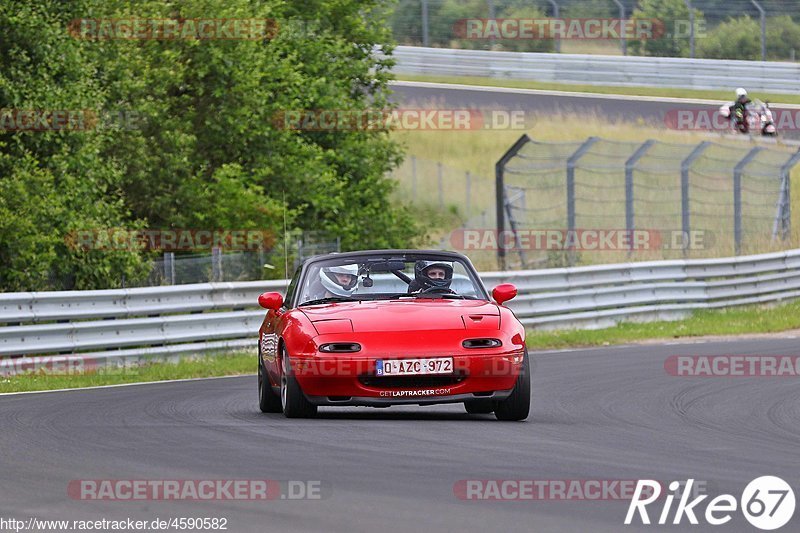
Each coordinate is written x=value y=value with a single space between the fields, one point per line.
x=163 y=322
x=714 y=74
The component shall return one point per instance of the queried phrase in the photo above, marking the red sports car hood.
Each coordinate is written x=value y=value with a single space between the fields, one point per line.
x=408 y=315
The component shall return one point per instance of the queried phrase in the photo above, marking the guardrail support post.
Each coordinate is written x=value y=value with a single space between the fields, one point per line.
x=499 y=170
x=686 y=165
x=630 y=164
x=737 y=197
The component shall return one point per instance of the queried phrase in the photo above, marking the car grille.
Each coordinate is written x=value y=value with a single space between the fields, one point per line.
x=411 y=382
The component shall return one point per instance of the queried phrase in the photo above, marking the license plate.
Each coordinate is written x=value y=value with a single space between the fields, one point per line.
x=411 y=367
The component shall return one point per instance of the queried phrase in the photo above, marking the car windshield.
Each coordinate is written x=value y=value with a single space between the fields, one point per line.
x=376 y=277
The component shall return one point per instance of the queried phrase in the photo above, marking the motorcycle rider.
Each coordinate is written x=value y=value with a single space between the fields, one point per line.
x=738 y=110
x=430 y=274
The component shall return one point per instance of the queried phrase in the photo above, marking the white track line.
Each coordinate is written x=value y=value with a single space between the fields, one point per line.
x=570 y=94
x=124 y=385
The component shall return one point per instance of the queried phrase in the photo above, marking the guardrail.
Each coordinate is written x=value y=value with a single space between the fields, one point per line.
x=164 y=322
x=767 y=76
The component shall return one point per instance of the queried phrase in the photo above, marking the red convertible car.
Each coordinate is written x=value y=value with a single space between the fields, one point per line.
x=388 y=327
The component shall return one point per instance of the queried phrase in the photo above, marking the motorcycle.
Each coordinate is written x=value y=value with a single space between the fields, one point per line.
x=757 y=117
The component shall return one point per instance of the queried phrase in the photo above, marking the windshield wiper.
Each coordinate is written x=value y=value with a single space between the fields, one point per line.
x=327 y=300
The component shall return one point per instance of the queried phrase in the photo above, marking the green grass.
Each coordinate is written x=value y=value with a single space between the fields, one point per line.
x=195 y=367
x=600 y=89
x=737 y=321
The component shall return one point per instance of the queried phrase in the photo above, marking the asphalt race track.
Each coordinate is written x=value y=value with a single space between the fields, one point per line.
x=600 y=414
x=652 y=110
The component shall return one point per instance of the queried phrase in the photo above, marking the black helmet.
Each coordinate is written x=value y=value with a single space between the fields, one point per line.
x=421 y=274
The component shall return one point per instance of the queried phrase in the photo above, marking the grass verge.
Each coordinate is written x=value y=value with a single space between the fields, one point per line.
x=203 y=367
x=738 y=321
x=599 y=89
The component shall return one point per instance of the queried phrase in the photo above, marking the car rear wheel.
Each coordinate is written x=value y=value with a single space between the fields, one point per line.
x=517 y=406
x=293 y=401
x=479 y=407
x=268 y=401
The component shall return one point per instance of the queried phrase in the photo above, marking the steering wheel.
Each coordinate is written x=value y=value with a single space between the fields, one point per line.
x=432 y=290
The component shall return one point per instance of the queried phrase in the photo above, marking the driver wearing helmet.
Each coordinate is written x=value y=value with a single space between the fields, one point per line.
x=738 y=109
x=335 y=281
x=430 y=275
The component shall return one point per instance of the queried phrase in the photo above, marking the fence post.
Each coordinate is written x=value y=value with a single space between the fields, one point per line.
x=216 y=264
x=737 y=197
x=691 y=27
x=425 y=38
x=630 y=164
x=686 y=164
x=499 y=186
x=469 y=189
x=555 y=15
x=622 y=40
x=492 y=16
x=169 y=267
x=572 y=162
x=512 y=222
x=441 y=186
x=784 y=214
x=413 y=178
x=763 y=16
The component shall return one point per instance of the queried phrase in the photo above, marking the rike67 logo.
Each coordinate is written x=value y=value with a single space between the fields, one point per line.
x=767 y=502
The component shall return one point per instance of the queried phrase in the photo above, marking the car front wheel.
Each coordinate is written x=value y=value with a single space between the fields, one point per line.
x=517 y=406
x=268 y=401
x=293 y=401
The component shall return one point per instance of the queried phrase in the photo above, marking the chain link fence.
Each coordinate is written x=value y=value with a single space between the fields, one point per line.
x=179 y=268
x=652 y=200
x=719 y=29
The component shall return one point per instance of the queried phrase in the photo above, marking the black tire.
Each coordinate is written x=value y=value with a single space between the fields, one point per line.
x=268 y=401
x=518 y=405
x=479 y=407
x=293 y=401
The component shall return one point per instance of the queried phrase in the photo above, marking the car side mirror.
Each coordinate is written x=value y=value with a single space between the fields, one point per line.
x=271 y=300
x=504 y=292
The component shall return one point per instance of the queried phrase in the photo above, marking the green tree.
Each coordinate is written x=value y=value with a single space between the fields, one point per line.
x=738 y=38
x=671 y=37
x=53 y=182
x=206 y=151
